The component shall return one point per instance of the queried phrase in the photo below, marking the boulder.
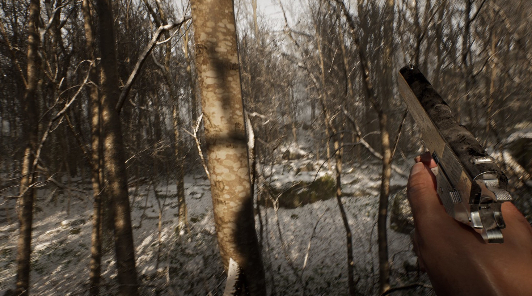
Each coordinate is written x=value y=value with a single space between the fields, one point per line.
x=296 y=194
x=294 y=153
x=401 y=219
x=519 y=144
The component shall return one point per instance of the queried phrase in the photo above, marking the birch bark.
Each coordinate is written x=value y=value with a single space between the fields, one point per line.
x=218 y=72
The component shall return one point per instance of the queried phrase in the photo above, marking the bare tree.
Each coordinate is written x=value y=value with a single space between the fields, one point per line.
x=96 y=159
x=114 y=157
x=31 y=132
x=378 y=105
x=337 y=135
x=161 y=20
x=217 y=66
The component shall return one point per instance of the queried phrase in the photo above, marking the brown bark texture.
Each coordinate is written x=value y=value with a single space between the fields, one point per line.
x=384 y=263
x=95 y=157
x=31 y=130
x=386 y=97
x=179 y=144
x=114 y=155
x=218 y=72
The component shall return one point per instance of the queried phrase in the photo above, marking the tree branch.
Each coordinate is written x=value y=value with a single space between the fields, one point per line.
x=396 y=142
x=477 y=12
x=194 y=135
x=12 y=51
x=134 y=74
x=49 y=128
x=368 y=146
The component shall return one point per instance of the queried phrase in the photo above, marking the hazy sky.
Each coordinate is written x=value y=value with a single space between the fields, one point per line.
x=269 y=11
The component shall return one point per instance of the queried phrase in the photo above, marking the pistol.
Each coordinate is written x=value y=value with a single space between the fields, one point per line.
x=469 y=183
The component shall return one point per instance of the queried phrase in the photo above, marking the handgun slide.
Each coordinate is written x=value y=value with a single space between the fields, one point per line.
x=469 y=183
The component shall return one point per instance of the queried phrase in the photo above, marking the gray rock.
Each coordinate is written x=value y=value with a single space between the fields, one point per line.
x=401 y=219
x=294 y=153
x=519 y=144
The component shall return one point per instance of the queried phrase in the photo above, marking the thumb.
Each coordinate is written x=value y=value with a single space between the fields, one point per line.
x=421 y=191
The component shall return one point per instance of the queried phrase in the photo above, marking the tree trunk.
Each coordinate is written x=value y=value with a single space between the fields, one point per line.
x=179 y=144
x=31 y=130
x=384 y=265
x=387 y=95
x=219 y=83
x=96 y=158
x=338 y=152
x=180 y=173
x=114 y=157
x=193 y=96
x=439 y=42
x=492 y=83
x=322 y=100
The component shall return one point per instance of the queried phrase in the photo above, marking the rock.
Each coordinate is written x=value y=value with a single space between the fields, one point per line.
x=294 y=153
x=72 y=223
x=307 y=167
x=401 y=219
x=411 y=265
x=75 y=230
x=519 y=144
x=296 y=194
x=288 y=167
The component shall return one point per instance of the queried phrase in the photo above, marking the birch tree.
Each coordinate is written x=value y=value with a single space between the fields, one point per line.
x=218 y=72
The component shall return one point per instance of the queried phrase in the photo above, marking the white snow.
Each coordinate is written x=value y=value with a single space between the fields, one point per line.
x=304 y=249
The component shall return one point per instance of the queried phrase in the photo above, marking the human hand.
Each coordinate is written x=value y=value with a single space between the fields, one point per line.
x=456 y=258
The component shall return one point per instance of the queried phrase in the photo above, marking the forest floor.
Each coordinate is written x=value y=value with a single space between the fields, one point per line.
x=304 y=248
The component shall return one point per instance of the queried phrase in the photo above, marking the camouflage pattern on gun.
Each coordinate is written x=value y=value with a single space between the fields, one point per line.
x=469 y=183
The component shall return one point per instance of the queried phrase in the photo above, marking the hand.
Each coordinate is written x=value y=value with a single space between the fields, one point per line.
x=456 y=258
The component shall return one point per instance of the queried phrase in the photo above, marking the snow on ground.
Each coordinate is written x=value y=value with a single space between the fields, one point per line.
x=304 y=248
x=310 y=259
